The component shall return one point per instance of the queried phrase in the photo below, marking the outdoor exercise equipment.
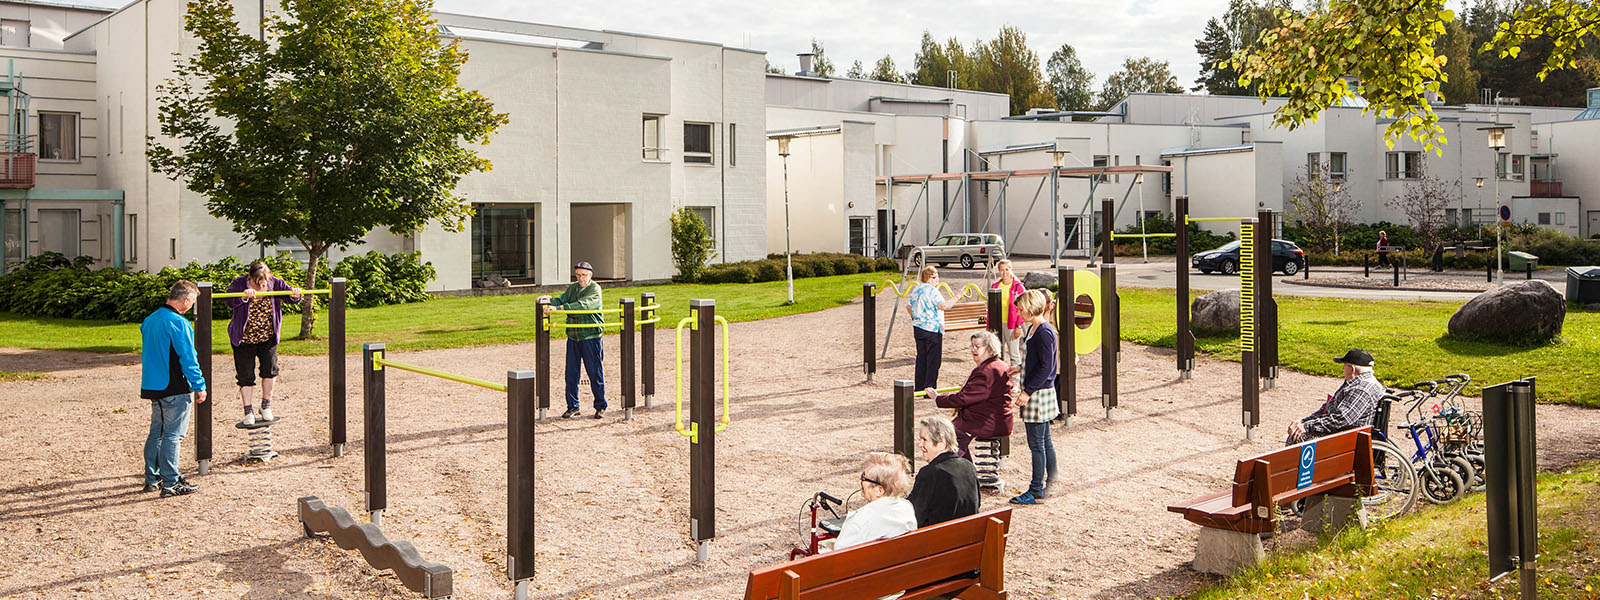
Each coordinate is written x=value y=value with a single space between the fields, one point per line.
x=640 y=320
x=869 y=316
x=1084 y=320
x=703 y=423
x=261 y=436
x=1509 y=419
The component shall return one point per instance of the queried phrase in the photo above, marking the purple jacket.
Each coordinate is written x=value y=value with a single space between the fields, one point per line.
x=985 y=401
x=238 y=305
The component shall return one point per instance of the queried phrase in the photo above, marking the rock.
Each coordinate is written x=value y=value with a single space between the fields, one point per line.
x=1595 y=306
x=1518 y=312
x=1216 y=312
x=1038 y=279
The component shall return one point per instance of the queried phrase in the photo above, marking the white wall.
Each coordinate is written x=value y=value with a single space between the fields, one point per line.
x=1579 y=167
x=48 y=26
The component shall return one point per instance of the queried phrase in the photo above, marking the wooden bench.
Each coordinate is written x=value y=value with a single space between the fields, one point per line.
x=1340 y=466
x=933 y=561
x=967 y=316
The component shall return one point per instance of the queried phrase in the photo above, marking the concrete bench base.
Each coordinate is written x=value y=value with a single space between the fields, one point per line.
x=1225 y=552
x=1331 y=514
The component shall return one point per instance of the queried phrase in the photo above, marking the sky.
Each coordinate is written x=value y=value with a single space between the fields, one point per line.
x=1104 y=33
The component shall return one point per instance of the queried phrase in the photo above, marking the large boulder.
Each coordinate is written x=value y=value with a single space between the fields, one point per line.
x=1216 y=312
x=1525 y=311
x=1038 y=279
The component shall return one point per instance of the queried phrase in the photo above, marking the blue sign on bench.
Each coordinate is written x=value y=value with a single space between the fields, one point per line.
x=1308 y=460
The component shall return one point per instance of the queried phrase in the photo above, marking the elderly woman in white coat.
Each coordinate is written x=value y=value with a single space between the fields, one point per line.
x=884 y=485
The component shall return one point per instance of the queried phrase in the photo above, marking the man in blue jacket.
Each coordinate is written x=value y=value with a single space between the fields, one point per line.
x=171 y=372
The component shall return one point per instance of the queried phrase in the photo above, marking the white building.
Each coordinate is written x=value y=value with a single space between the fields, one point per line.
x=609 y=132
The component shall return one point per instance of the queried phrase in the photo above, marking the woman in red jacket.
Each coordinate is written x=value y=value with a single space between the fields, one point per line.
x=984 y=402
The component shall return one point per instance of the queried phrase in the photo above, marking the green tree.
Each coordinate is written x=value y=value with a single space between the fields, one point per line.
x=884 y=70
x=935 y=62
x=1007 y=65
x=1070 y=83
x=1461 y=79
x=692 y=244
x=346 y=118
x=772 y=69
x=1142 y=74
x=1389 y=46
x=1238 y=29
x=819 y=63
x=857 y=71
x=1323 y=206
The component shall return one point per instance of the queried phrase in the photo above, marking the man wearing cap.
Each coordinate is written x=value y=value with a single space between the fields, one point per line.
x=583 y=343
x=1350 y=407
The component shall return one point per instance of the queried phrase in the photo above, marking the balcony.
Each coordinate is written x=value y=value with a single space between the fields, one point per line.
x=1544 y=189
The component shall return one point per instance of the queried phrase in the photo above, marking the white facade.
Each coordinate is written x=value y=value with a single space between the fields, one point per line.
x=1577 y=158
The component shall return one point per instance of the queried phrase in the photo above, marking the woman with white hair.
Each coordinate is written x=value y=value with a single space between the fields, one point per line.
x=947 y=487
x=984 y=402
x=884 y=485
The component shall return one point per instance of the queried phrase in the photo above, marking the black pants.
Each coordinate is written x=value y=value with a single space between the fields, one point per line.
x=246 y=357
x=930 y=351
x=1383 y=259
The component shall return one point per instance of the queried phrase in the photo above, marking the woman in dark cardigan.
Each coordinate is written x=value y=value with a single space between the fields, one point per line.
x=947 y=487
x=984 y=402
x=253 y=331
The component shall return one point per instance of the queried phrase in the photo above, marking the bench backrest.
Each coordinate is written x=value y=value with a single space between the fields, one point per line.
x=1342 y=465
x=883 y=567
x=966 y=315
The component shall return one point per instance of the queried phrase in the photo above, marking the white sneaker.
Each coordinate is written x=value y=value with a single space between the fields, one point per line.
x=249 y=418
x=266 y=415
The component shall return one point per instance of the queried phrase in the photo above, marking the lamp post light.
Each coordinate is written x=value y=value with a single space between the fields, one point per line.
x=1058 y=159
x=1497 y=142
x=788 y=253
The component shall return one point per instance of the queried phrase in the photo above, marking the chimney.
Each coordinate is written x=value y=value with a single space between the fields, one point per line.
x=805 y=64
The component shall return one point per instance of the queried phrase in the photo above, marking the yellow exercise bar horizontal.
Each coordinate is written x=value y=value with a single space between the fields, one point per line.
x=924 y=394
x=1199 y=219
x=581 y=325
x=598 y=311
x=241 y=294
x=1142 y=235
x=379 y=361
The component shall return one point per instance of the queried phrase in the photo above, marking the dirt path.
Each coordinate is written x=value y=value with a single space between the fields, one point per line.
x=613 y=496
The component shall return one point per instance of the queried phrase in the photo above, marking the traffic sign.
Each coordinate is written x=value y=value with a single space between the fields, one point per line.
x=1308 y=463
x=1505 y=213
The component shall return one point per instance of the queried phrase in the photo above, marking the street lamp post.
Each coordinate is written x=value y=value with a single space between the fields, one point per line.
x=788 y=254
x=1497 y=142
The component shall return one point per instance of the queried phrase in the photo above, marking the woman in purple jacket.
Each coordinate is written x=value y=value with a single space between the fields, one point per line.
x=254 y=334
x=984 y=402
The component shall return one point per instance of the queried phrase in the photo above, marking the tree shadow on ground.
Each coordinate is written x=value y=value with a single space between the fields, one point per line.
x=1174 y=582
x=261 y=566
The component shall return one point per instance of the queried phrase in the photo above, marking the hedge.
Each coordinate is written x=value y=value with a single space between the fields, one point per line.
x=805 y=265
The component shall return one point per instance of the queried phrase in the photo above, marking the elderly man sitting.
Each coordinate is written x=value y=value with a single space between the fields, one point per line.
x=1351 y=406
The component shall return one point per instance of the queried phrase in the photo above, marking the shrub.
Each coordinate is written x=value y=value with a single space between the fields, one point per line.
x=377 y=279
x=805 y=265
x=692 y=245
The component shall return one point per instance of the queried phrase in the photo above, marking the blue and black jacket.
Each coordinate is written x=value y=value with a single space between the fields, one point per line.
x=168 y=356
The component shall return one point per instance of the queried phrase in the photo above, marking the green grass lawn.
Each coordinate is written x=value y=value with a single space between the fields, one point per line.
x=1407 y=338
x=456 y=322
x=1439 y=552
x=20 y=376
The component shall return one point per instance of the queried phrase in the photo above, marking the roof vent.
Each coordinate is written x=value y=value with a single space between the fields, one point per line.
x=805 y=64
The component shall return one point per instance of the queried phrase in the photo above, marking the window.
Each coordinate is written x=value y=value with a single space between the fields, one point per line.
x=58 y=136
x=1101 y=160
x=1450 y=217
x=708 y=215
x=1561 y=218
x=1544 y=218
x=132 y=238
x=1403 y=165
x=60 y=231
x=1466 y=216
x=1336 y=166
x=1313 y=165
x=733 y=145
x=697 y=143
x=1501 y=161
x=13 y=235
x=652 y=137
x=1517 y=162
x=15 y=33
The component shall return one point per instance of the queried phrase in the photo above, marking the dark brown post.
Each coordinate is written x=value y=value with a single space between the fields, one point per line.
x=336 y=358
x=1110 y=332
x=373 y=432
x=202 y=350
x=1266 y=307
x=521 y=411
x=1185 y=338
x=905 y=419
x=1529 y=265
x=1488 y=271
x=869 y=328
x=1066 y=368
x=541 y=355
x=627 y=337
x=997 y=321
x=1366 y=265
x=1250 y=367
x=647 y=349
x=1396 y=266
x=702 y=415
x=1108 y=245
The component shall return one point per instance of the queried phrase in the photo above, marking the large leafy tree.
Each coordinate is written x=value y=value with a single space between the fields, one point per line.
x=1461 y=79
x=1143 y=74
x=1322 y=205
x=1070 y=83
x=820 y=63
x=1390 y=48
x=1238 y=29
x=346 y=118
x=1007 y=65
x=935 y=62
x=884 y=70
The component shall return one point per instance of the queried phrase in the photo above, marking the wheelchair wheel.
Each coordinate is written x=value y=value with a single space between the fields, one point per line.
x=1478 y=482
x=1441 y=484
x=1395 y=483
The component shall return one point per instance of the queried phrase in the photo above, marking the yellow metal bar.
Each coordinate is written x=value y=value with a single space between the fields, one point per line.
x=258 y=294
x=726 y=375
x=924 y=393
x=1143 y=235
x=581 y=325
x=1199 y=219
x=896 y=287
x=598 y=311
x=677 y=382
x=1247 y=287
x=378 y=360
x=657 y=319
x=645 y=308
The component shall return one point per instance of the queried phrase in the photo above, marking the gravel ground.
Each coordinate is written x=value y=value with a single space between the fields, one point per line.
x=613 y=496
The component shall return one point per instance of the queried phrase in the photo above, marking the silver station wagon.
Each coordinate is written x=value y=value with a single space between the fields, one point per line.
x=966 y=248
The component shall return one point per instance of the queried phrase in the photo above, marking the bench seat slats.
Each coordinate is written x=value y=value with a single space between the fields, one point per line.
x=1262 y=482
x=908 y=575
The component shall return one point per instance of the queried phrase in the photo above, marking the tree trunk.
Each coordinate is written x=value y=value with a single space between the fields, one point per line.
x=308 y=305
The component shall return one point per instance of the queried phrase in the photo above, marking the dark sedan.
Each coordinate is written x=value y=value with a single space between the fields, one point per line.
x=1286 y=257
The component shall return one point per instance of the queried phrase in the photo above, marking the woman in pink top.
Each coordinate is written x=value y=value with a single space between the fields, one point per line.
x=1013 y=338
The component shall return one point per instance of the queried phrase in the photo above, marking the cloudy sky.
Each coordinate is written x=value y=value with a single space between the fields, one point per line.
x=1104 y=33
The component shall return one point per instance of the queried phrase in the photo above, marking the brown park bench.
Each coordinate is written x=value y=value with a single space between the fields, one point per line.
x=1234 y=519
x=938 y=560
x=966 y=316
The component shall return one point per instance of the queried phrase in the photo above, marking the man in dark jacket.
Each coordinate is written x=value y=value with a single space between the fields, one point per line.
x=171 y=373
x=947 y=488
x=583 y=338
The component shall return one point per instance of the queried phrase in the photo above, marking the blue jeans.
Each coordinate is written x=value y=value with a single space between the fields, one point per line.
x=589 y=351
x=169 y=421
x=1044 y=456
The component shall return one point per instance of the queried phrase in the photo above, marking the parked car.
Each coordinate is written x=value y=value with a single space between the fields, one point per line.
x=966 y=248
x=1286 y=257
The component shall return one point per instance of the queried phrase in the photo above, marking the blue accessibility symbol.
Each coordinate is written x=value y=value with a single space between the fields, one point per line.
x=1308 y=461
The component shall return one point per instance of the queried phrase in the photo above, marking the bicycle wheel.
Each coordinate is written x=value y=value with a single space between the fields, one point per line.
x=1441 y=484
x=1395 y=489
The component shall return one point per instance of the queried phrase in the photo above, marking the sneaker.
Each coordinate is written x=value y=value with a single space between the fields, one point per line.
x=599 y=413
x=151 y=487
x=249 y=419
x=571 y=412
x=1024 y=498
x=181 y=489
x=266 y=415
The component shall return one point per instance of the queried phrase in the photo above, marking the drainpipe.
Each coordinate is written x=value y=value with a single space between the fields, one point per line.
x=117 y=235
x=3 y=251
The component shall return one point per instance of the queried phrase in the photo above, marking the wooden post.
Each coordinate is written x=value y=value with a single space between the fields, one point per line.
x=869 y=328
x=521 y=412
x=202 y=350
x=702 y=415
x=373 y=431
x=1185 y=339
x=1266 y=307
x=1250 y=382
x=1110 y=332
x=1067 y=368
x=541 y=356
x=905 y=437
x=1108 y=226
x=336 y=359
x=997 y=321
x=647 y=349
x=626 y=341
